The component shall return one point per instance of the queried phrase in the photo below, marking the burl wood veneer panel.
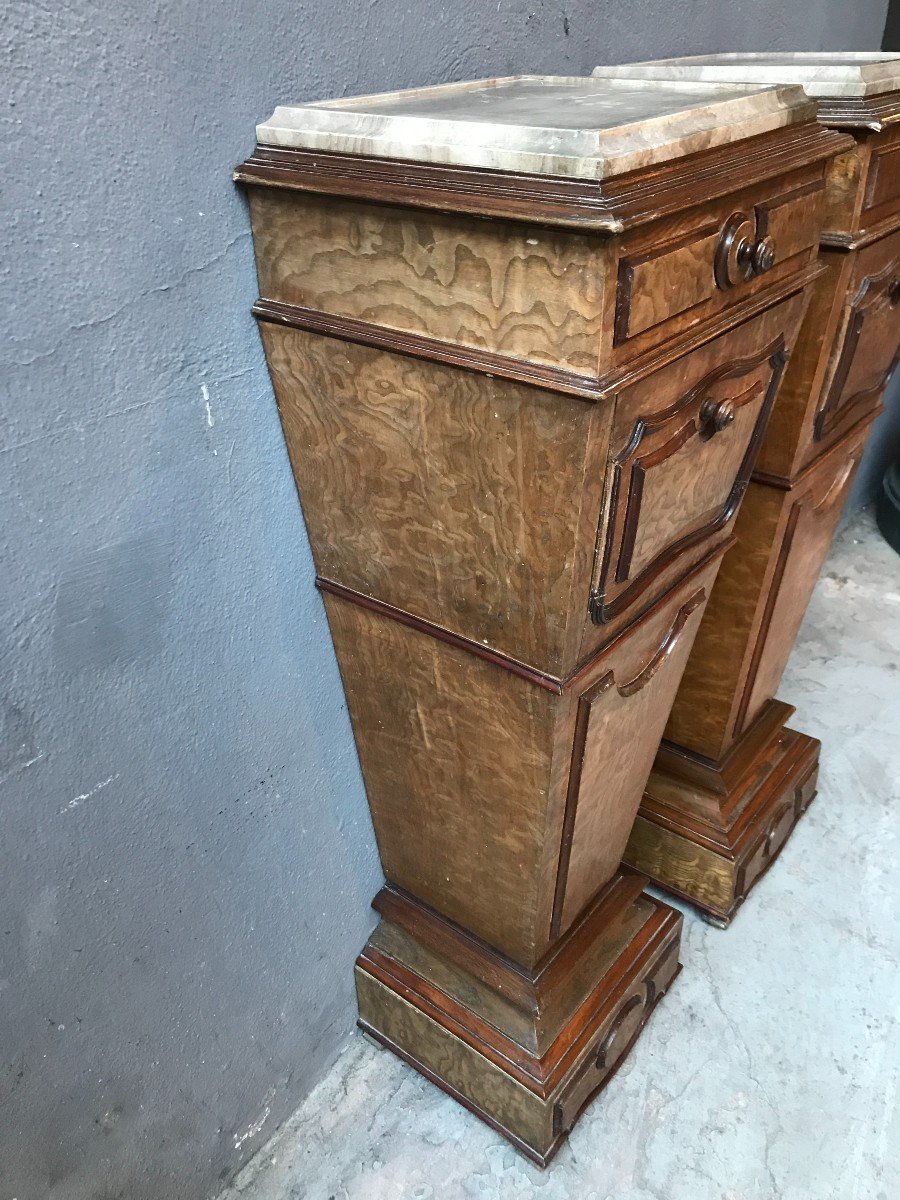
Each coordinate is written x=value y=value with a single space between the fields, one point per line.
x=522 y=290
x=466 y=500
x=845 y=351
x=758 y=603
x=501 y=772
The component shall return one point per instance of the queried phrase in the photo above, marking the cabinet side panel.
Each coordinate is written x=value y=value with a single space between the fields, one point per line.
x=446 y=493
x=455 y=754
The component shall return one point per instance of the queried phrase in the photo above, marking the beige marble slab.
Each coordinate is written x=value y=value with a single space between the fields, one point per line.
x=822 y=74
x=540 y=125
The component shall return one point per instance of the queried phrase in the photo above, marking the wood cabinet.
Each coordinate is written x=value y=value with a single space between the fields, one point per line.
x=522 y=414
x=730 y=779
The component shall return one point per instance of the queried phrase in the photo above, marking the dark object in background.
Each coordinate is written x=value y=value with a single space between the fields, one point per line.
x=887 y=510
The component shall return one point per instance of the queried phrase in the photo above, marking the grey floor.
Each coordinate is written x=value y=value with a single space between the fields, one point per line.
x=771 y=1069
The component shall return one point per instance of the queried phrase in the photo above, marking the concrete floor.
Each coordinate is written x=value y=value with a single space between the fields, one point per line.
x=771 y=1069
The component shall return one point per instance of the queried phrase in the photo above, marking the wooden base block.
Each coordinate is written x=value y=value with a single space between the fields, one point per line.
x=525 y=1051
x=708 y=832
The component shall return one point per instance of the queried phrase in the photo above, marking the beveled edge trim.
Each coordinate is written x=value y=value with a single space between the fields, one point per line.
x=420 y=345
x=605 y=206
x=871 y=113
x=498 y=658
x=836 y=239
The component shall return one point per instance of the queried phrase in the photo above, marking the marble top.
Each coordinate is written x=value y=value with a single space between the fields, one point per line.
x=822 y=74
x=540 y=125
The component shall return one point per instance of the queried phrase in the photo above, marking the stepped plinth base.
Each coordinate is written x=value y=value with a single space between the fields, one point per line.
x=708 y=832
x=523 y=1050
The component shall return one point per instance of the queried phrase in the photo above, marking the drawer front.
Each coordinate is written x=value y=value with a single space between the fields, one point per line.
x=667 y=280
x=868 y=340
x=619 y=718
x=683 y=445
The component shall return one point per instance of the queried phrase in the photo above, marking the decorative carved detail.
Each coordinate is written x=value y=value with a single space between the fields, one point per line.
x=666 y=647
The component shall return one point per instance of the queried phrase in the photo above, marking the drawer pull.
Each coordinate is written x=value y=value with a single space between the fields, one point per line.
x=894 y=292
x=740 y=254
x=763 y=256
x=715 y=415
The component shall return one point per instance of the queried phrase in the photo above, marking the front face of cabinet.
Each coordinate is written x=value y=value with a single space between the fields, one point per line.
x=682 y=447
x=866 y=347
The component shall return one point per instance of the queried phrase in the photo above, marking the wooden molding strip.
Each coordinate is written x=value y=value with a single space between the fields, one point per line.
x=551 y=683
x=421 y=625
x=556 y=379
x=418 y=345
x=836 y=239
x=608 y=206
x=666 y=647
x=860 y=112
x=787 y=483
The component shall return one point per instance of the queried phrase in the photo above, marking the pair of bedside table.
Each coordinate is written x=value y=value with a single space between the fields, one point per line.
x=526 y=337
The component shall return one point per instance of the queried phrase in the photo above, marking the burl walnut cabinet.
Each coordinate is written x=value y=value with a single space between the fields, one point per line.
x=731 y=780
x=523 y=375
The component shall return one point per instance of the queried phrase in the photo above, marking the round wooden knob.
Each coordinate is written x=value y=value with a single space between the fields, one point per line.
x=763 y=255
x=716 y=416
x=734 y=253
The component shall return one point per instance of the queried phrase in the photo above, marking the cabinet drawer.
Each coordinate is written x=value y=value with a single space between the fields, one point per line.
x=725 y=254
x=683 y=445
x=867 y=342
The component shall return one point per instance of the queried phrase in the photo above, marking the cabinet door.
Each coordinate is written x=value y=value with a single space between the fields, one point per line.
x=621 y=710
x=683 y=445
x=868 y=341
x=812 y=512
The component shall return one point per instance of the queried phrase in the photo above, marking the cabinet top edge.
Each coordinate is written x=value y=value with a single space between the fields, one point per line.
x=823 y=75
x=561 y=126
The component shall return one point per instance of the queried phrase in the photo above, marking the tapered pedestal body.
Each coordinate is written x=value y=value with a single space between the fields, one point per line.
x=731 y=779
x=522 y=387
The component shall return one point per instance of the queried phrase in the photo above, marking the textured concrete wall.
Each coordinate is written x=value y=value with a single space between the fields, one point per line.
x=185 y=849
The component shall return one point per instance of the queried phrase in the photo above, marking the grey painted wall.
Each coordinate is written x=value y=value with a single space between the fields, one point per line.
x=185 y=849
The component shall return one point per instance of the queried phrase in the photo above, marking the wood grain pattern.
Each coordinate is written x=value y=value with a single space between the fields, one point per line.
x=866 y=349
x=532 y=1099
x=443 y=493
x=529 y=293
x=607 y=766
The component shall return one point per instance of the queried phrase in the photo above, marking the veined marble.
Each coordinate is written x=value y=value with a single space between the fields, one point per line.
x=540 y=125
x=821 y=74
